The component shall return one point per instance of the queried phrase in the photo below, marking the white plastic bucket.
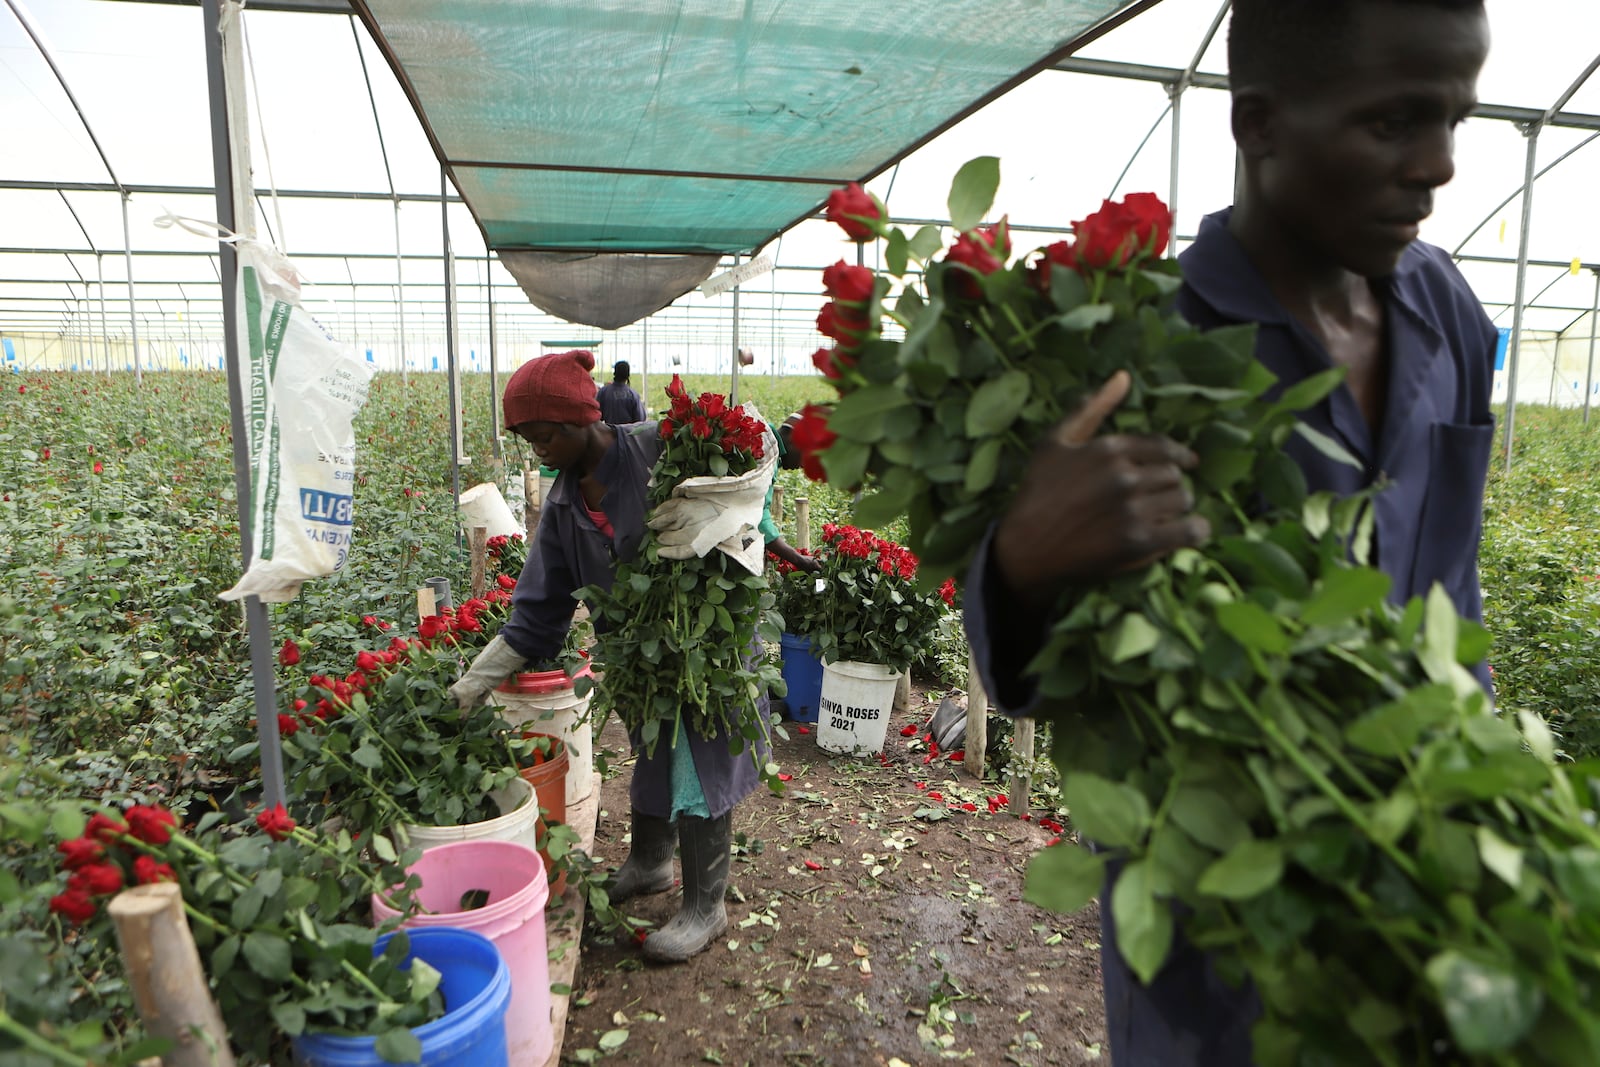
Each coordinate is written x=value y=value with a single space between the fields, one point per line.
x=853 y=713
x=545 y=702
x=518 y=822
x=482 y=505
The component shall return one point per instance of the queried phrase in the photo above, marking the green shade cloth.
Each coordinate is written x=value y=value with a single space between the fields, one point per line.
x=693 y=125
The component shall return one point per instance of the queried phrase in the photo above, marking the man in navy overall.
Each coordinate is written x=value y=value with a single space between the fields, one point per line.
x=1344 y=114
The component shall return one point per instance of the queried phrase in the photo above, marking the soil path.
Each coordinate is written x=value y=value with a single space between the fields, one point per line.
x=868 y=923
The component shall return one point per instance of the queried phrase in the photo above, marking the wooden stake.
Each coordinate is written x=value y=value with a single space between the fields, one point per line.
x=425 y=605
x=777 y=503
x=802 y=523
x=478 y=542
x=169 y=985
x=902 y=691
x=1021 y=761
x=977 y=742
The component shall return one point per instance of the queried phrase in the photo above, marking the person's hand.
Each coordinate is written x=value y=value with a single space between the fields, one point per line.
x=810 y=564
x=497 y=662
x=1091 y=506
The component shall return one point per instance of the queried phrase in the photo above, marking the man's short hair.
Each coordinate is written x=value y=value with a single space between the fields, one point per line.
x=1298 y=44
x=620 y=370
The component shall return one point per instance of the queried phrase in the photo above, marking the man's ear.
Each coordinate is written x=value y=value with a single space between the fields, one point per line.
x=1254 y=122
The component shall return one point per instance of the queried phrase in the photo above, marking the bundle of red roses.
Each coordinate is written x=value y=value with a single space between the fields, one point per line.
x=680 y=635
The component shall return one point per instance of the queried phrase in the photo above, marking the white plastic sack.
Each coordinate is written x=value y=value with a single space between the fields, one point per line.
x=709 y=513
x=301 y=392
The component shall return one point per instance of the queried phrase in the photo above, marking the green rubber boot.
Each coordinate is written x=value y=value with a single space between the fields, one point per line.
x=705 y=846
x=648 y=868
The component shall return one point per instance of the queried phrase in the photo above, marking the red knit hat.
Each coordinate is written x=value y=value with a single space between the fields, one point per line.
x=554 y=388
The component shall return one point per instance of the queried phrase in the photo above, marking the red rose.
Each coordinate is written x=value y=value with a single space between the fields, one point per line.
x=289 y=654
x=105 y=828
x=80 y=852
x=700 y=426
x=667 y=428
x=288 y=725
x=947 y=592
x=831 y=361
x=983 y=250
x=713 y=404
x=366 y=661
x=73 y=906
x=675 y=388
x=298 y=705
x=505 y=581
x=97 y=467
x=811 y=436
x=275 y=823
x=1114 y=235
x=430 y=626
x=44 y=453
x=842 y=281
x=855 y=210
x=151 y=825
x=372 y=620
x=147 y=871
x=96 y=879
x=844 y=324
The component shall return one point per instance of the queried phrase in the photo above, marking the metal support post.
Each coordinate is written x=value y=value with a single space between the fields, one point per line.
x=133 y=319
x=1588 y=380
x=450 y=343
x=1530 y=131
x=733 y=392
x=223 y=161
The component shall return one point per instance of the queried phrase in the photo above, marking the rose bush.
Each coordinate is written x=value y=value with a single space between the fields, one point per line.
x=280 y=918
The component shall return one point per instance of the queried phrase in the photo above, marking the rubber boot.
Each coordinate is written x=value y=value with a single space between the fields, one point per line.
x=705 y=848
x=648 y=868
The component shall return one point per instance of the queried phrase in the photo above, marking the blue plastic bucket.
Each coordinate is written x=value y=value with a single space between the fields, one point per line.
x=477 y=990
x=802 y=673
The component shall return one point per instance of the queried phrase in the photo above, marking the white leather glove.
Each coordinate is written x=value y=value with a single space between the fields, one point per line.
x=709 y=513
x=497 y=662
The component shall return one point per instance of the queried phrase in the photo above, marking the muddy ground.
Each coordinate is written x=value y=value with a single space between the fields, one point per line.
x=909 y=945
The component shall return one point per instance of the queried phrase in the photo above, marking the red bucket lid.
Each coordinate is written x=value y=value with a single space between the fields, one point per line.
x=533 y=682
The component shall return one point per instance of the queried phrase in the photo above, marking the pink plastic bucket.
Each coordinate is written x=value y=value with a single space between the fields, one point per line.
x=513 y=878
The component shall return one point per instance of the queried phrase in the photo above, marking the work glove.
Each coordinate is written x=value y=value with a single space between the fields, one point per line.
x=709 y=513
x=497 y=662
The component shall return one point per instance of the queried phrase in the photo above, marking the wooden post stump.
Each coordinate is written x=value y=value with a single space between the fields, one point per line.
x=478 y=541
x=777 y=503
x=532 y=504
x=169 y=985
x=802 y=523
x=902 y=691
x=1021 y=763
x=977 y=743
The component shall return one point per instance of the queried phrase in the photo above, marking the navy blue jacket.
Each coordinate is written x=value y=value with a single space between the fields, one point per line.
x=568 y=553
x=620 y=404
x=1432 y=451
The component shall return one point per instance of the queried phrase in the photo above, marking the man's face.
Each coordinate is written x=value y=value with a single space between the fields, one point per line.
x=557 y=446
x=1351 y=165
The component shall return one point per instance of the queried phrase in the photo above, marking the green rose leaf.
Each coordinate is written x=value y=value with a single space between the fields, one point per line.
x=1249 y=869
x=1327 y=446
x=398 y=1045
x=1253 y=626
x=984 y=466
x=1308 y=391
x=972 y=192
x=996 y=404
x=612 y=1040
x=1144 y=924
x=859 y=416
x=1344 y=593
x=895 y=252
x=268 y=955
x=1106 y=812
x=1208 y=817
x=926 y=242
x=1500 y=856
x=1489 y=1008
x=1086 y=317
x=1131 y=636
x=1063 y=878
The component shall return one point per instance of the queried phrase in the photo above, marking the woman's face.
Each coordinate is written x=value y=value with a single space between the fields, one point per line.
x=558 y=446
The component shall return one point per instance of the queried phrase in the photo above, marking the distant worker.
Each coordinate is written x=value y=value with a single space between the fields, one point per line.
x=620 y=405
